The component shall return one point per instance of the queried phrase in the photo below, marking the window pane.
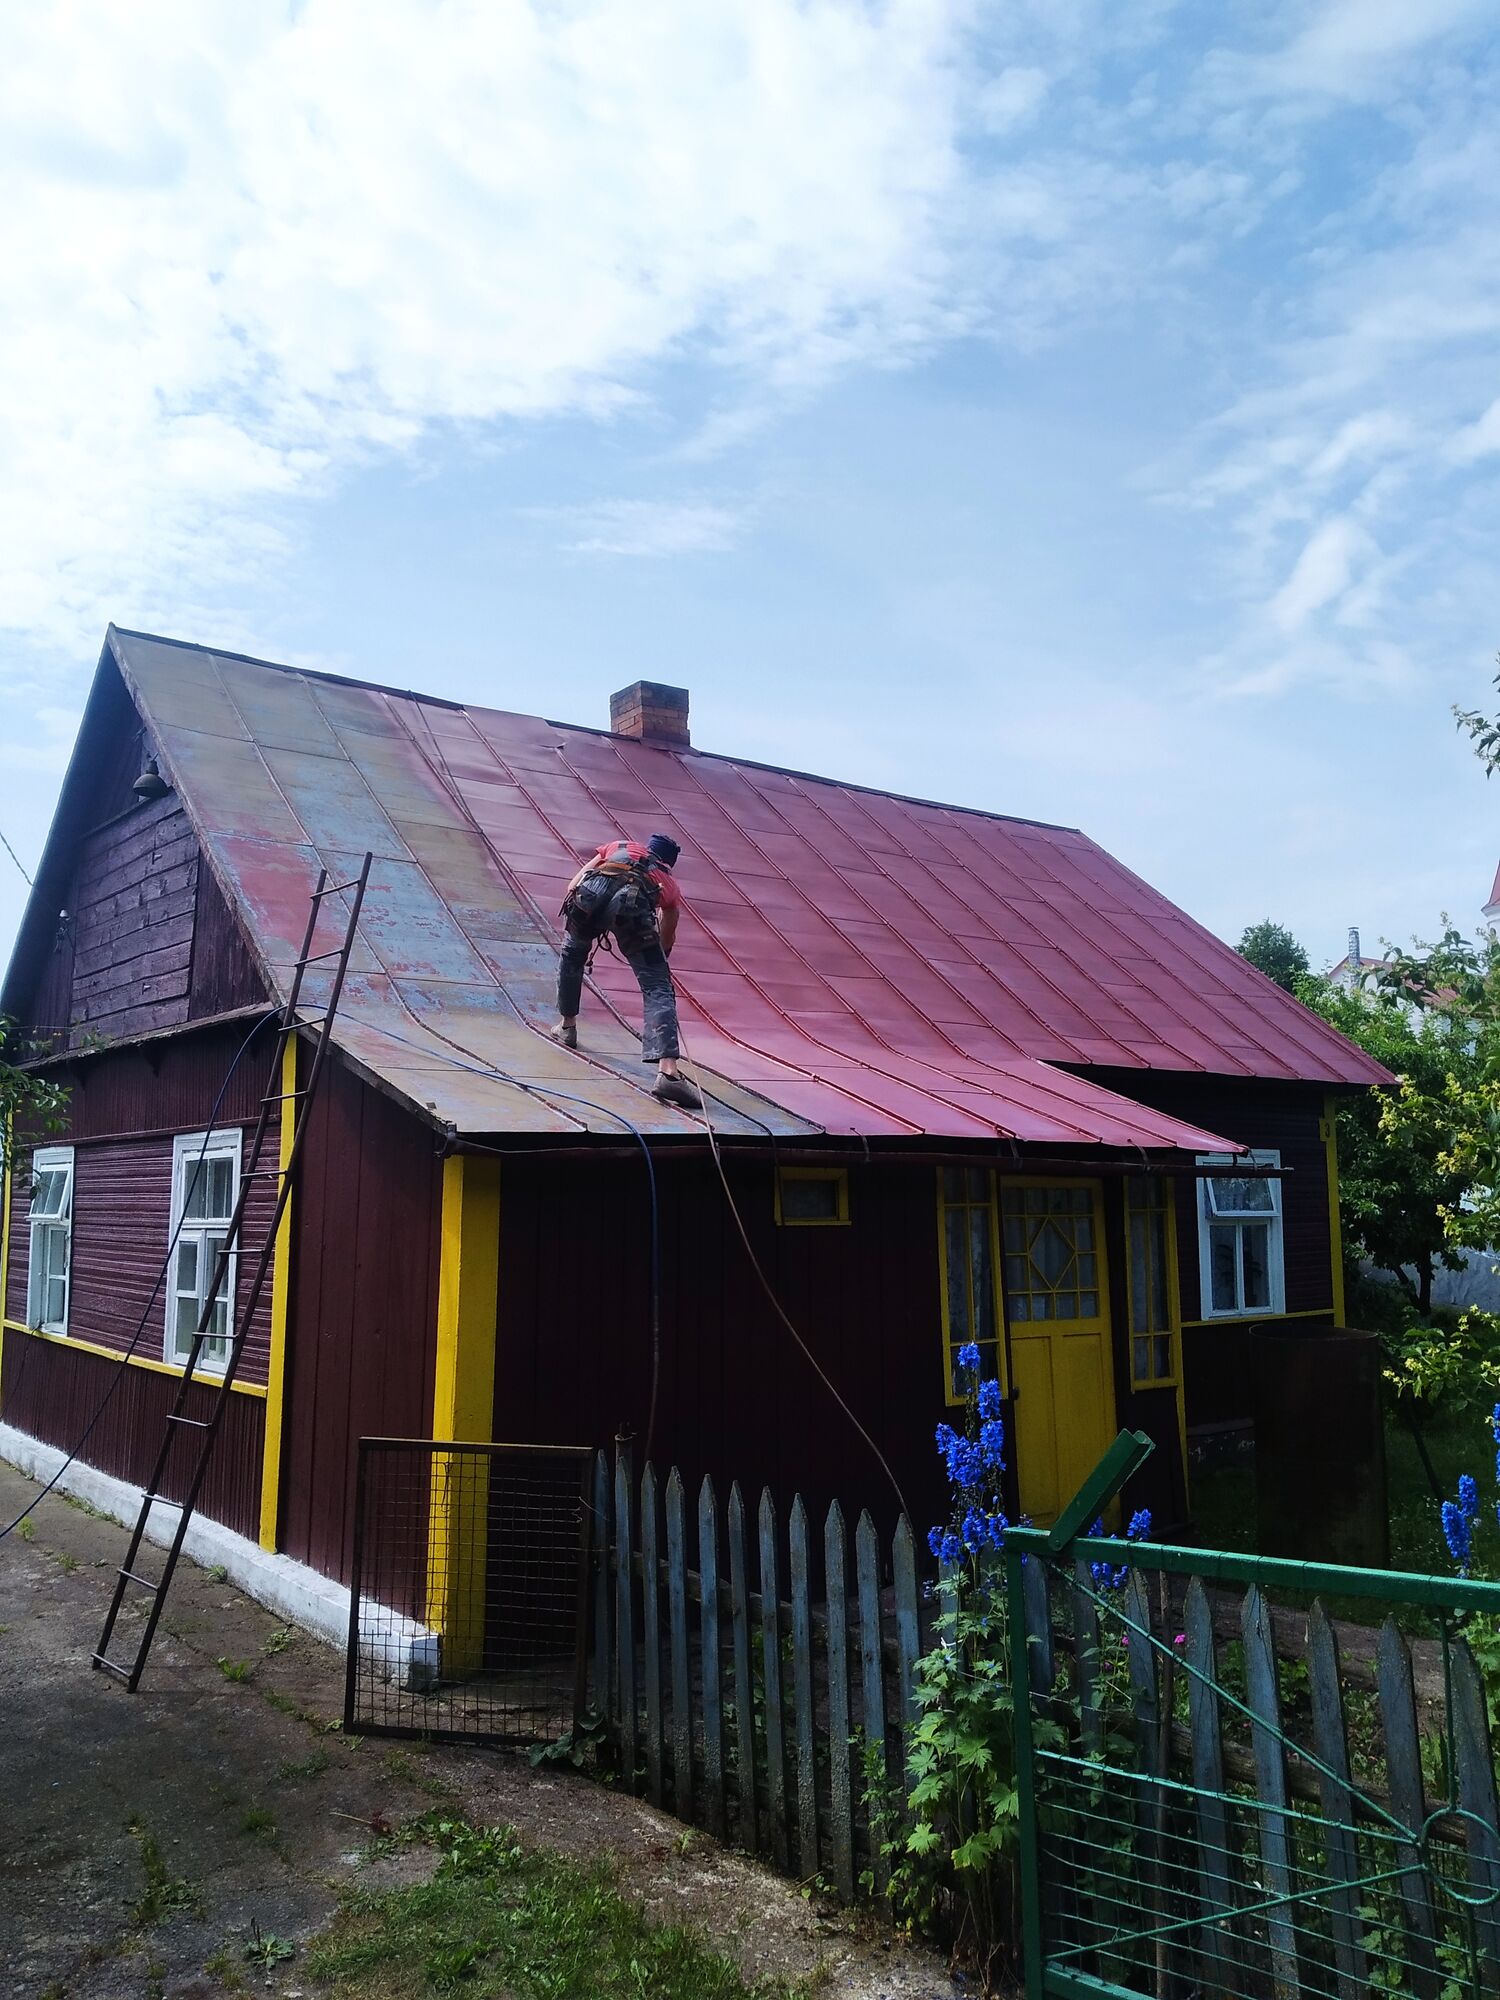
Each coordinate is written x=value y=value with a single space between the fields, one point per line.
x=1141 y=1348
x=221 y=1188
x=56 y=1301
x=979 y=1184
x=195 y=1189
x=1088 y=1305
x=1065 y=1305
x=1020 y=1306
x=1083 y=1231
x=1255 y=1247
x=55 y=1246
x=1241 y=1197
x=1140 y=1273
x=47 y=1200
x=981 y=1269
x=953 y=1184
x=1223 y=1257
x=802 y=1200
x=187 y=1264
x=1163 y=1345
x=184 y=1323
x=954 y=1220
x=212 y=1248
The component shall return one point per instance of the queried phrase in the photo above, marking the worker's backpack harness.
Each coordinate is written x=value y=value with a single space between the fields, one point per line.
x=591 y=907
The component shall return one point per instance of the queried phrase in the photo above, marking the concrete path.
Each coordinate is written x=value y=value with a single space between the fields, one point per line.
x=145 y=1840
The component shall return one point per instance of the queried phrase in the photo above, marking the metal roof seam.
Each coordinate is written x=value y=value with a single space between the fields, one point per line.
x=769 y=1000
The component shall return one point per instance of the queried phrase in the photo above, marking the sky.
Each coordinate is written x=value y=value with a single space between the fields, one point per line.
x=1081 y=411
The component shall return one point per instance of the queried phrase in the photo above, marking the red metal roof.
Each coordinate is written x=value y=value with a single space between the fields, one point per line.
x=848 y=961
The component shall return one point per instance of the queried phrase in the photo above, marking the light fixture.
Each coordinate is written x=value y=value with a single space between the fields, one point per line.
x=150 y=784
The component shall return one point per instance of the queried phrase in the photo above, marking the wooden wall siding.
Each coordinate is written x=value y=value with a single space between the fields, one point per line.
x=170 y=1085
x=122 y=1224
x=134 y=897
x=363 y=1312
x=737 y=1397
x=224 y=975
x=52 y=1391
x=1284 y=1115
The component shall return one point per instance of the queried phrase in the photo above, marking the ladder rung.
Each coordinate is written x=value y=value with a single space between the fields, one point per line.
x=283 y=1096
x=317 y=957
x=194 y=1423
x=334 y=889
x=144 y=1581
x=111 y=1667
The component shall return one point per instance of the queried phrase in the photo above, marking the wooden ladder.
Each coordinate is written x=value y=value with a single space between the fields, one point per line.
x=179 y=1424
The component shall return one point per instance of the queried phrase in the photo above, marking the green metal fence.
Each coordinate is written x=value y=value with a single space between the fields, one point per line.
x=1225 y=1796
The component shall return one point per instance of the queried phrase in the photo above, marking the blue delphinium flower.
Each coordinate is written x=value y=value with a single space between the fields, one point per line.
x=1468 y=1496
x=1140 y=1526
x=1495 y=1433
x=968 y=1357
x=1458 y=1533
x=989 y=1398
x=944 y=1544
x=992 y=1444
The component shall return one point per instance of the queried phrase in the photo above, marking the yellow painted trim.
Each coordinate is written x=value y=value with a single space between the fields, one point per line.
x=1335 y=1225
x=1173 y=1380
x=131 y=1360
x=1258 y=1319
x=281 y=1292
x=463 y=1405
x=839 y=1175
x=5 y=1137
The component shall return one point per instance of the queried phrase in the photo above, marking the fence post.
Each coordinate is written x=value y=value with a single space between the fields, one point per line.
x=908 y=1642
x=1266 y=1740
x=604 y=1689
x=1220 y=1969
x=624 y=1614
x=1403 y=1766
x=867 y=1565
x=1476 y=1794
x=836 y=1575
x=802 y=1688
x=708 y=1641
x=1020 y=1681
x=744 y=1687
x=1331 y=1745
x=651 y=1630
x=682 y=1713
x=770 y=1664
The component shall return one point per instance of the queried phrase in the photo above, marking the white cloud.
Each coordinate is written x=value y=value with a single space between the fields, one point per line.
x=649 y=528
x=246 y=248
x=1481 y=439
x=1323 y=572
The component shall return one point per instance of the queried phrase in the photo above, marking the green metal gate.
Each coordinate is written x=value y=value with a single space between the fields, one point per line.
x=1222 y=1797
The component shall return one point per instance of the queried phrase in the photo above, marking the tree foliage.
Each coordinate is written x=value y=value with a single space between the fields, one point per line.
x=1484 y=732
x=1395 y=1192
x=1273 y=950
x=31 y=1105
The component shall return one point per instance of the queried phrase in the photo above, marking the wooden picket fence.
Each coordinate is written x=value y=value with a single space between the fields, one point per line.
x=749 y=1673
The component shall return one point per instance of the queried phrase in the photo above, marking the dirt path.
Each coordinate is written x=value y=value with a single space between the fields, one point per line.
x=145 y=1840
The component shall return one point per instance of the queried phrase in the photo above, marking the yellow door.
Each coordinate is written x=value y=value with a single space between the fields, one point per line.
x=1057 y=1301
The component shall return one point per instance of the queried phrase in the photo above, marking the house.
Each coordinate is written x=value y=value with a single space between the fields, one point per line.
x=969 y=1077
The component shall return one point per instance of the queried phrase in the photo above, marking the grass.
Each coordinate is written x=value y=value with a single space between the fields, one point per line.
x=1224 y=1499
x=258 y=1823
x=235 y=1670
x=298 y=1770
x=499 y=1923
x=164 y=1893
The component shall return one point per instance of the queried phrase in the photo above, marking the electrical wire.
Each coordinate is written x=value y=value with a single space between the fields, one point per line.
x=147 y=1309
x=17 y=859
x=776 y=1305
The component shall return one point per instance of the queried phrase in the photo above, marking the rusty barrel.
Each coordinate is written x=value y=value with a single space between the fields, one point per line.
x=1320 y=1446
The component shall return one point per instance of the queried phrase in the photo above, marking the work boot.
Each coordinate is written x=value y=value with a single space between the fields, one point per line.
x=677 y=1090
x=566 y=1032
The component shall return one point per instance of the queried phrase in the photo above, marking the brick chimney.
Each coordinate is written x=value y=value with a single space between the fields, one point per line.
x=653 y=713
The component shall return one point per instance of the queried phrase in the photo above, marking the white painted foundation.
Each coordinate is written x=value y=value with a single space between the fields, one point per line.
x=293 y=1591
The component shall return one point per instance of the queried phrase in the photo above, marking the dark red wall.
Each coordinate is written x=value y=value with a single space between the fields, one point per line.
x=53 y=1391
x=737 y=1396
x=363 y=1316
x=1286 y=1116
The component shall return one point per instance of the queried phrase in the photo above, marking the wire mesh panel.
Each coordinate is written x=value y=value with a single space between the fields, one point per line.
x=469 y=1596
x=1222 y=1799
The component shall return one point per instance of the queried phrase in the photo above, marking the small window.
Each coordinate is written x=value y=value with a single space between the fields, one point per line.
x=1239 y=1241
x=49 y=1271
x=968 y=1229
x=1052 y=1252
x=205 y=1186
x=810 y=1197
x=1150 y=1263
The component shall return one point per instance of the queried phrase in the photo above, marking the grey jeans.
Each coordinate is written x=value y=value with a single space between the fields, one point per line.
x=632 y=925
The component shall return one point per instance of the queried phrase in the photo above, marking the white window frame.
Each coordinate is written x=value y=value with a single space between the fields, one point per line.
x=1271 y=1223
x=187 y=1148
x=51 y=1159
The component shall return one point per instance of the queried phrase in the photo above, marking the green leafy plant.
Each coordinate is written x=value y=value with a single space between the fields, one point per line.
x=235 y=1670
x=589 y=1746
x=265 y=1949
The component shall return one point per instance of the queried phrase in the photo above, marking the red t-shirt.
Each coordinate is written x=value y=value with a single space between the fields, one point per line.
x=632 y=850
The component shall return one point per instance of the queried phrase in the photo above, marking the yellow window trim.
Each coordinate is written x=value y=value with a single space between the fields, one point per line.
x=132 y=1360
x=838 y=1175
x=1258 y=1318
x=1174 y=1297
x=281 y=1292
x=953 y=1401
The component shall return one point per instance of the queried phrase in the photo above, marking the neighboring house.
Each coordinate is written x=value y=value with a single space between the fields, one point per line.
x=971 y=1078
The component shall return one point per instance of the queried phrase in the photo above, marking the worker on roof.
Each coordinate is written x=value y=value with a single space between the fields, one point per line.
x=626 y=893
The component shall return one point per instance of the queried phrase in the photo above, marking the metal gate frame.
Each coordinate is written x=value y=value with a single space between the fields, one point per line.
x=421 y=1652
x=1118 y=1881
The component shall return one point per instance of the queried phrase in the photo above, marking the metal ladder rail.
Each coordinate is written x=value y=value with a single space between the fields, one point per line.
x=177 y=1421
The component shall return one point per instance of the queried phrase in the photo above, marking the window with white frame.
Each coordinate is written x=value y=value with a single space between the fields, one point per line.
x=51 y=1238
x=1239 y=1239
x=205 y=1185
